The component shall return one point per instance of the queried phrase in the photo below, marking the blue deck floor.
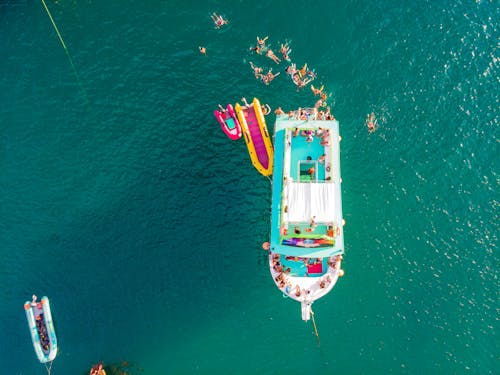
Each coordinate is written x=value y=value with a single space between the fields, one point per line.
x=302 y=150
x=299 y=269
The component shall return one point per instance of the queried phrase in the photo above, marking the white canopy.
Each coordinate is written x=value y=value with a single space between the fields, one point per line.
x=308 y=199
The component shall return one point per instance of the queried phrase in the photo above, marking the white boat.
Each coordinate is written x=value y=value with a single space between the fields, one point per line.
x=307 y=239
x=42 y=329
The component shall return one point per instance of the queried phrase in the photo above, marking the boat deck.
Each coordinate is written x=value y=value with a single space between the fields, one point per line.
x=307 y=240
x=302 y=156
x=298 y=282
x=302 y=267
x=230 y=123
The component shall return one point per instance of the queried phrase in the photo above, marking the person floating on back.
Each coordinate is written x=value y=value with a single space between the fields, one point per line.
x=218 y=20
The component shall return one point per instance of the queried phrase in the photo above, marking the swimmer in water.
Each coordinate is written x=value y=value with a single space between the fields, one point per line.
x=218 y=20
x=371 y=122
x=272 y=56
x=262 y=42
x=285 y=51
x=260 y=47
x=317 y=91
x=270 y=76
x=256 y=70
x=203 y=50
x=266 y=109
x=257 y=50
x=303 y=71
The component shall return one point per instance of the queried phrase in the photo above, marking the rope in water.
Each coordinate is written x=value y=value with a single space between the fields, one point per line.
x=49 y=367
x=315 y=329
x=55 y=27
x=63 y=44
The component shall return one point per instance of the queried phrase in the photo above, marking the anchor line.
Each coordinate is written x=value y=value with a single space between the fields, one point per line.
x=64 y=46
x=49 y=367
x=315 y=328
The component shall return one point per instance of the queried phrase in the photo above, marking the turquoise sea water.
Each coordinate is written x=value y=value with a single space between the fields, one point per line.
x=122 y=200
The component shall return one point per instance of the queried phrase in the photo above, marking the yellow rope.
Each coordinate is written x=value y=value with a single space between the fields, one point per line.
x=64 y=45
x=315 y=329
x=55 y=26
x=49 y=367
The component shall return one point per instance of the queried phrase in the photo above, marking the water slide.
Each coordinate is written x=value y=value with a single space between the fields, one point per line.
x=256 y=136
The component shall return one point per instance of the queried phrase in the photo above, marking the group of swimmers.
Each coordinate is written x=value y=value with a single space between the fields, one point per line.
x=300 y=77
x=265 y=78
x=262 y=49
